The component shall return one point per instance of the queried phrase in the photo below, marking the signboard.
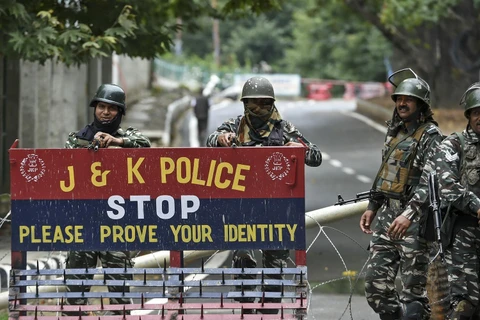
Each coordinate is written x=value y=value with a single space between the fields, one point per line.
x=157 y=199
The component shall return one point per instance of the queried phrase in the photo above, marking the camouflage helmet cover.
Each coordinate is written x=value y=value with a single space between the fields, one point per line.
x=112 y=94
x=471 y=98
x=257 y=87
x=407 y=83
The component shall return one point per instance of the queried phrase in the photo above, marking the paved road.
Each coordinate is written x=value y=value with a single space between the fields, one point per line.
x=351 y=147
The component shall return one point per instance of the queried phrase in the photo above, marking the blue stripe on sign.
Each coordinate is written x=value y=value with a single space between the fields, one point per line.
x=159 y=224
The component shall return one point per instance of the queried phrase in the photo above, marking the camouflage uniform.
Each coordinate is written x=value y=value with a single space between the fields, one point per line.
x=132 y=138
x=410 y=254
x=459 y=185
x=313 y=157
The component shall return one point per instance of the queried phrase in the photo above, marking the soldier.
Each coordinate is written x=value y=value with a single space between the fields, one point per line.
x=261 y=125
x=457 y=163
x=201 y=106
x=396 y=244
x=105 y=131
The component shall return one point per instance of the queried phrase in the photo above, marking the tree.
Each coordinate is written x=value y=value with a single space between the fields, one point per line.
x=246 y=39
x=73 y=31
x=331 y=42
x=437 y=38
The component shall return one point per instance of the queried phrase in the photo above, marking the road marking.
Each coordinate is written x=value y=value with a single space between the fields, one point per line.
x=364 y=179
x=348 y=170
x=366 y=120
x=336 y=163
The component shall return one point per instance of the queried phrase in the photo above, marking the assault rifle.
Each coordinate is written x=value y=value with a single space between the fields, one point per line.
x=433 y=197
x=366 y=195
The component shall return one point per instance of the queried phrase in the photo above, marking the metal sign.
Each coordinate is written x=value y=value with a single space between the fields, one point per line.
x=157 y=199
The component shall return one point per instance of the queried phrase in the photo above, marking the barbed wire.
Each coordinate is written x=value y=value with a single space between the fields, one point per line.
x=322 y=230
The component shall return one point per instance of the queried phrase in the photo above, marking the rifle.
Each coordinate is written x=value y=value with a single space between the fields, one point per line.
x=366 y=195
x=433 y=197
x=95 y=144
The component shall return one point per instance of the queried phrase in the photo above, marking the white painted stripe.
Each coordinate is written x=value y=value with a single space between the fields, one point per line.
x=364 y=179
x=348 y=170
x=336 y=163
x=325 y=156
x=367 y=121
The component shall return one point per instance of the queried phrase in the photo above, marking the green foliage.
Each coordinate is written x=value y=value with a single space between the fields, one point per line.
x=245 y=40
x=413 y=13
x=330 y=47
x=75 y=31
x=264 y=40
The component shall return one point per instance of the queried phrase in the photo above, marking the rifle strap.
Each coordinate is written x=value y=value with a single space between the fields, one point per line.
x=462 y=145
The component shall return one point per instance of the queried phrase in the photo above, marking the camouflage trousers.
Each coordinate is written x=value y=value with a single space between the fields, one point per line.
x=409 y=256
x=270 y=259
x=463 y=265
x=108 y=259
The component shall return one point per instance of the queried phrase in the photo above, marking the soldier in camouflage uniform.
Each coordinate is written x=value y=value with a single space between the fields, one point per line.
x=109 y=107
x=396 y=243
x=457 y=164
x=261 y=125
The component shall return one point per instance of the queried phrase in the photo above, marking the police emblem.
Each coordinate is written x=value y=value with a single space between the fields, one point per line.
x=277 y=166
x=32 y=168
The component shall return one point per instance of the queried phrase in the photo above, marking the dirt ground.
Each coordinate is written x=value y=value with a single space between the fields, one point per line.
x=449 y=120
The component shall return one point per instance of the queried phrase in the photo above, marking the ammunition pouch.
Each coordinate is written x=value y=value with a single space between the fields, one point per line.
x=447 y=231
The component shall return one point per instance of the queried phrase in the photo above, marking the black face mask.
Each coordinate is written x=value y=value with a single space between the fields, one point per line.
x=109 y=127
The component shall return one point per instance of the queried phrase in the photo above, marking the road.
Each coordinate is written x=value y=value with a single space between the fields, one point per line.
x=351 y=146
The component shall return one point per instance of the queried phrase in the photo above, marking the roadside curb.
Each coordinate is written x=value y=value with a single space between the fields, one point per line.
x=373 y=111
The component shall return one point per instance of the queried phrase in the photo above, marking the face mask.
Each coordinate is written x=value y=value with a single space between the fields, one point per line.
x=257 y=110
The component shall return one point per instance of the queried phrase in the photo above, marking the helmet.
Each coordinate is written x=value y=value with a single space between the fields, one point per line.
x=471 y=98
x=407 y=83
x=257 y=87
x=110 y=93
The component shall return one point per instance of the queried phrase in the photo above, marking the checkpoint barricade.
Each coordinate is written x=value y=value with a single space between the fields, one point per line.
x=158 y=199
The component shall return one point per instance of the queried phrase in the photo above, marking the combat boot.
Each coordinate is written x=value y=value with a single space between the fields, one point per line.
x=415 y=311
x=461 y=311
x=392 y=316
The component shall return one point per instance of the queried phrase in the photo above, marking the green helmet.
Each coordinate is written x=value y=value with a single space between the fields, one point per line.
x=257 y=87
x=407 y=83
x=471 y=98
x=112 y=94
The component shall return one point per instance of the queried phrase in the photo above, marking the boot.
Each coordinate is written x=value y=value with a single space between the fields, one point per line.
x=414 y=311
x=461 y=311
x=397 y=315
x=270 y=311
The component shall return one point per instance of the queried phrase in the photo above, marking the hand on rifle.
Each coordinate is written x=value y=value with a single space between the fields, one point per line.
x=399 y=227
x=366 y=221
x=227 y=139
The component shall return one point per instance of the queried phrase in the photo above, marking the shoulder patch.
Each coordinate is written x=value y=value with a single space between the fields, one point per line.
x=433 y=130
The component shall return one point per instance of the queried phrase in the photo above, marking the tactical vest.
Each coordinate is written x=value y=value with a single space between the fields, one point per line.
x=275 y=138
x=397 y=173
x=470 y=167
